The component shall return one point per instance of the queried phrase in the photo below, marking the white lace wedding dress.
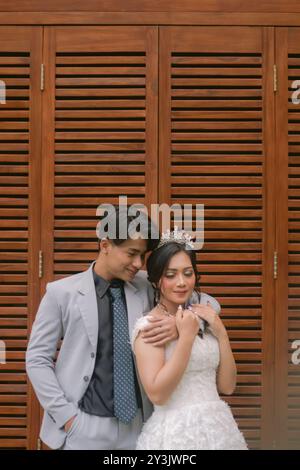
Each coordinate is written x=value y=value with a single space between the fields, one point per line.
x=194 y=417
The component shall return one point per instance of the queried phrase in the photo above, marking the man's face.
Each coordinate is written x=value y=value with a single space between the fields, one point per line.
x=124 y=261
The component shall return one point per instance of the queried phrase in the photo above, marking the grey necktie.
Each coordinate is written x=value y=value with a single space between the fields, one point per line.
x=125 y=403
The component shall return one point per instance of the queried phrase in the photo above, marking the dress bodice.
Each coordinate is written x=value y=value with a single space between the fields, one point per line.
x=198 y=383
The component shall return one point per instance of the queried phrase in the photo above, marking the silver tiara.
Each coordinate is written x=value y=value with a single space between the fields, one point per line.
x=178 y=236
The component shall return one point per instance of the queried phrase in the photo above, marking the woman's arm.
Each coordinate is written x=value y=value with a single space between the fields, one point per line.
x=226 y=375
x=160 y=377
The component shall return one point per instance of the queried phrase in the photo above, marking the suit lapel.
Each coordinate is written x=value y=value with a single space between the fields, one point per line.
x=87 y=303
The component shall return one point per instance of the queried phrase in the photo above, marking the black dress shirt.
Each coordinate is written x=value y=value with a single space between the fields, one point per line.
x=98 y=398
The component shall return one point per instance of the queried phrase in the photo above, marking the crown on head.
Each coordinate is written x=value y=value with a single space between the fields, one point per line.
x=178 y=236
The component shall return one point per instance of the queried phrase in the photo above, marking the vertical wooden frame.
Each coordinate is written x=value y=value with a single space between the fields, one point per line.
x=152 y=154
x=281 y=296
x=48 y=155
x=35 y=152
x=268 y=398
x=164 y=116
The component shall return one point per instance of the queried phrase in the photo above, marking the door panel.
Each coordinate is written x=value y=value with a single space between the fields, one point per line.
x=215 y=109
x=100 y=142
x=288 y=239
x=20 y=140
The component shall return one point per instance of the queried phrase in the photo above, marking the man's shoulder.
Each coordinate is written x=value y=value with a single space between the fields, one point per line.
x=205 y=298
x=67 y=283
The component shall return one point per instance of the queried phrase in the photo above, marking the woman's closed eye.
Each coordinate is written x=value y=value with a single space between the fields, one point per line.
x=187 y=274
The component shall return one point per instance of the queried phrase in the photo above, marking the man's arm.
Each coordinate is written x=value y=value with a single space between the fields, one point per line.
x=40 y=354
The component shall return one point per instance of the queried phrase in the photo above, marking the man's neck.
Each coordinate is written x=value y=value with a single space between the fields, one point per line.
x=101 y=270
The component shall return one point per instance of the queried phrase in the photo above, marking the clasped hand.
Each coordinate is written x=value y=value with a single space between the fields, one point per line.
x=207 y=313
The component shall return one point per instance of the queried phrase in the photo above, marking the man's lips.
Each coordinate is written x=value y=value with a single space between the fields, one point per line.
x=133 y=273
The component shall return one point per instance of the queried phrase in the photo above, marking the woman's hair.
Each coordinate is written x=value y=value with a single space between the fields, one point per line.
x=160 y=258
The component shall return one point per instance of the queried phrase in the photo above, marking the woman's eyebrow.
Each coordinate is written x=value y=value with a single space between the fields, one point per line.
x=176 y=269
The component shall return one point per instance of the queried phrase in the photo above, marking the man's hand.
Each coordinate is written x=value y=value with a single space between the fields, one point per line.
x=69 y=423
x=162 y=330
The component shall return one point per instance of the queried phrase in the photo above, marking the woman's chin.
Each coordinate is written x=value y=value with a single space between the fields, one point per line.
x=180 y=299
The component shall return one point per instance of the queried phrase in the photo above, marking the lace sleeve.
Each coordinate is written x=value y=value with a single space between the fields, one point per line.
x=141 y=323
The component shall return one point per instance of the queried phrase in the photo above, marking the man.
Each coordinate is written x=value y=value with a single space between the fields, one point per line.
x=91 y=395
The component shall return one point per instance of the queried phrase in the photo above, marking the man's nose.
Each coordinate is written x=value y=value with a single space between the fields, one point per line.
x=138 y=262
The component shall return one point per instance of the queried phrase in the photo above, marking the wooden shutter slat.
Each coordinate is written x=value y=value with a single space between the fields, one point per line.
x=99 y=191
x=105 y=92
x=217 y=60
x=98 y=59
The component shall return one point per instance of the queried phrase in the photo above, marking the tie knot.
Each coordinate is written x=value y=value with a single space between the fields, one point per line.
x=116 y=292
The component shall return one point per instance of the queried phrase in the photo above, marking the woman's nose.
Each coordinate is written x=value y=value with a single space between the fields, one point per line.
x=181 y=281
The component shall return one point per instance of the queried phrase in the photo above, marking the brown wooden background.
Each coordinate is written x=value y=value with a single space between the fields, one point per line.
x=164 y=102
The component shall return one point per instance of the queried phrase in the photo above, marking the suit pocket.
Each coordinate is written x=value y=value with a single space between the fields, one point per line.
x=75 y=424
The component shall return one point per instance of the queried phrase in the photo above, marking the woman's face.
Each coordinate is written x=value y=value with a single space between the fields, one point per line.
x=178 y=281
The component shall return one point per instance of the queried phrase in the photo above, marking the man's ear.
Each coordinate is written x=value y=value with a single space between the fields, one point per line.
x=104 y=245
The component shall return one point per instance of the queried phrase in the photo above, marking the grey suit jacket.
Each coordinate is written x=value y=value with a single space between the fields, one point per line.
x=69 y=310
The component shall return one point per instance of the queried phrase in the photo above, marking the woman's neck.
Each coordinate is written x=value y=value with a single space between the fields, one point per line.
x=168 y=306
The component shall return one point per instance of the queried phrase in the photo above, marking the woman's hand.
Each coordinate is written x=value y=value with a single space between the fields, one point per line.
x=187 y=323
x=207 y=313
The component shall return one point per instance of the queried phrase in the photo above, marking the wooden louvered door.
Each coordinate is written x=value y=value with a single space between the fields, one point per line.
x=216 y=148
x=20 y=139
x=100 y=139
x=287 y=358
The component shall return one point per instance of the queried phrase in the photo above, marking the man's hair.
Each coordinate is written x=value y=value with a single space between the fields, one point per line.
x=117 y=218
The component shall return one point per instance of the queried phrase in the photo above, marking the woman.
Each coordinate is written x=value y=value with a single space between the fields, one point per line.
x=183 y=378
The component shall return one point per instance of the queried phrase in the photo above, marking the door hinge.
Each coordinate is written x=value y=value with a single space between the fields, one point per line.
x=39 y=444
x=275 y=265
x=275 y=78
x=42 y=77
x=40 y=264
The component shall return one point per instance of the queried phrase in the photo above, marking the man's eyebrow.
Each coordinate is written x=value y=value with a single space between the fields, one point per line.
x=137 y=251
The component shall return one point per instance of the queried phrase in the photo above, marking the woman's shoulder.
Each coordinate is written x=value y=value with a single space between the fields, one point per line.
x=140 y=324
x=142 y=321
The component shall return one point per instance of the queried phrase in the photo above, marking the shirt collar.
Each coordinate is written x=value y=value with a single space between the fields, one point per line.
x=101 y=284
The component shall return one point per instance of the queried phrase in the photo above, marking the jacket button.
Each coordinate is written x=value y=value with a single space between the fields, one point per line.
x=85 y=378
x=92 y=355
